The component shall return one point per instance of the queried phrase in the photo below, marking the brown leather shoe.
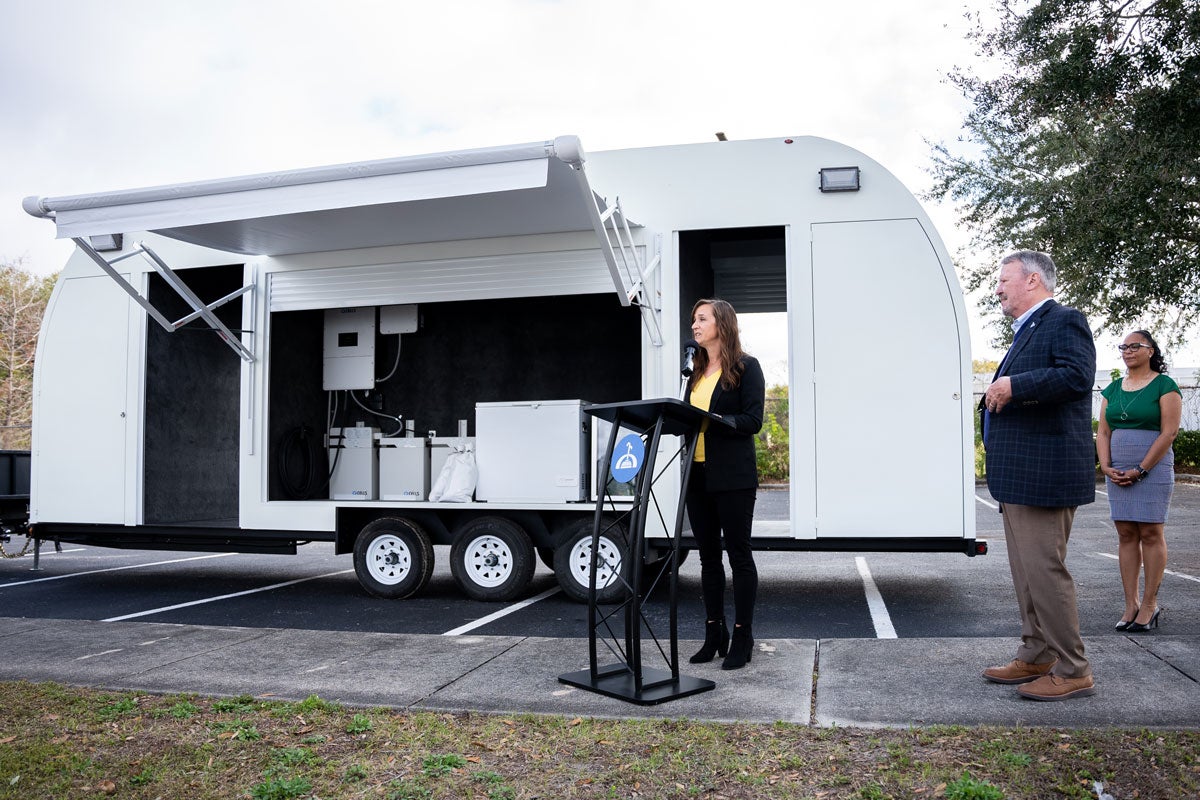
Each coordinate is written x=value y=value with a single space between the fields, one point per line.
x=1056 y=687
x=1018 y=671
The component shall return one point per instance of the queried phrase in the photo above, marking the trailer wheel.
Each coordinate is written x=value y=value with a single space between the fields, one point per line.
x=492 y=559
x=393 y=558
x=573 y=562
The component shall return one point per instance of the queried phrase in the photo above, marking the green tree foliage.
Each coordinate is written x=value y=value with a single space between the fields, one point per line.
x=1086 y=144
x=773 y=442
x=23 y=297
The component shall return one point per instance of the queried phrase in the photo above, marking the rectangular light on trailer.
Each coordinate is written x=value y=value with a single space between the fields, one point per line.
x=839 y=179
x=106 y=242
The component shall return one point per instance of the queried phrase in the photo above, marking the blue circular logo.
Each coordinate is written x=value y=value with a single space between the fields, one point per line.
x=627 y=458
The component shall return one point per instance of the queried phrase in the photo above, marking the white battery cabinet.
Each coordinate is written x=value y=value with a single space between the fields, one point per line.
x=532 y=452
x=356 y=468
x=403 y=468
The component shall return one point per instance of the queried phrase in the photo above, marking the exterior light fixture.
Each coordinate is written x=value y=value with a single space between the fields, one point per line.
x=106 y=242
x=840 y=179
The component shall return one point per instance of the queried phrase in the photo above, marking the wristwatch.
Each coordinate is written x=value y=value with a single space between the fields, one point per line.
x=1141 y=472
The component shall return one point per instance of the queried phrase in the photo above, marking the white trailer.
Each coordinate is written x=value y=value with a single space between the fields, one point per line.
x=205 y=338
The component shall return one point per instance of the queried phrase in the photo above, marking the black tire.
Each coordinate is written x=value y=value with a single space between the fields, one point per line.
x=492 y=559
x=653 y=571
x=573 y=566
x=660 y=555
x=393 y=558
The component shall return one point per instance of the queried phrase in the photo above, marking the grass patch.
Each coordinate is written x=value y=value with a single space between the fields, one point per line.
x=359 y=723
x=80 y=743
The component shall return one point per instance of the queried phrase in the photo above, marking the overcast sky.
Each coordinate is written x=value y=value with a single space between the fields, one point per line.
x=97 y=96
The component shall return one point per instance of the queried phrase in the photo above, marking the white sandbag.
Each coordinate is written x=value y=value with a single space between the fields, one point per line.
x=456 y=482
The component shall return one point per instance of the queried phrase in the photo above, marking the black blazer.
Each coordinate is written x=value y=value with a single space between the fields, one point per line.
x=729 y=460
x=1040 y=450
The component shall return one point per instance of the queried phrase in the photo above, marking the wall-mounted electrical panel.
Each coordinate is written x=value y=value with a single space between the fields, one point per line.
x=349 y=348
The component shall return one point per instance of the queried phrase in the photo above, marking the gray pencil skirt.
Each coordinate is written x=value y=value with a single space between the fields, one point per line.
x=1149 y=499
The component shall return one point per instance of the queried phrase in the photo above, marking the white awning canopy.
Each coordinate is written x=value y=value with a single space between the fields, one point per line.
x=469 y=194
x=515 y=190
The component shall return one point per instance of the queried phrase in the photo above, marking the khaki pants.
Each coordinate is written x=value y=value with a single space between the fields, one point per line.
x=1037 y=554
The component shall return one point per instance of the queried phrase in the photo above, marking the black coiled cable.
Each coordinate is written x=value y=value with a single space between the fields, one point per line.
x=303 y=443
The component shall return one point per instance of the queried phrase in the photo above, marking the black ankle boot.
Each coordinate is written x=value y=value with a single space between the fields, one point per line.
x=716 y=641
x=741 y=649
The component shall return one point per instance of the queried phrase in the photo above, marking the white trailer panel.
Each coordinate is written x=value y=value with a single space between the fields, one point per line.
x=530 y=280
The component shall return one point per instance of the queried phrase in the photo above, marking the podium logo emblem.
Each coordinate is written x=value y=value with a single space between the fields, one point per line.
x=627 y=458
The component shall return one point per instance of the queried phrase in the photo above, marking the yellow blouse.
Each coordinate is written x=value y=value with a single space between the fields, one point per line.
x=701 y=398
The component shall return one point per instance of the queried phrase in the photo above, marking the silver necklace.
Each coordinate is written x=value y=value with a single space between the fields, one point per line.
x=1127 y=403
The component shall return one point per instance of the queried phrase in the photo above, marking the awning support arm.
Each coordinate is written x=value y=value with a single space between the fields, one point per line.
x=201 y=310
x=629 y=276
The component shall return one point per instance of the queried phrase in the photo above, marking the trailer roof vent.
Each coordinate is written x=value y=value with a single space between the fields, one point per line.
x=839 y=179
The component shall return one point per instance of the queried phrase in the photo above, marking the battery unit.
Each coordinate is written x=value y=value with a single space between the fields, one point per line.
x=356 y=467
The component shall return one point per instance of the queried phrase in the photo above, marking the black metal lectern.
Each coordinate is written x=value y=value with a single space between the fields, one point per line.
x=628 y=678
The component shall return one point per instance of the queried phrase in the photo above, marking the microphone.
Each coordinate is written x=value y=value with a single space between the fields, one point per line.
x=689 y=353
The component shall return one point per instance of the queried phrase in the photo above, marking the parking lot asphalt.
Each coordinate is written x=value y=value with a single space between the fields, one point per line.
x=928 y=674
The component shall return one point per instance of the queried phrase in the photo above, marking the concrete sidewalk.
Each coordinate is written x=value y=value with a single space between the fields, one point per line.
x=1146 y=681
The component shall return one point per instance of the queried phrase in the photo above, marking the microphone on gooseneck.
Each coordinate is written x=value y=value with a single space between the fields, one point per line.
x=689 y=354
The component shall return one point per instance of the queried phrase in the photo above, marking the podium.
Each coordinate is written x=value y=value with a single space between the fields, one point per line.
x=629 y=678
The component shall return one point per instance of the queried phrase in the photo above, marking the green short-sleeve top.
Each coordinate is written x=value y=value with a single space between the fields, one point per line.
x=1138 y=409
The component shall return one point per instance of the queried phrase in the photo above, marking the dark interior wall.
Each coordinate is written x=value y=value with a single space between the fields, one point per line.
x=695 y=275
x=297 y=402
x=513 y=349
x=755 y=289
x=192 y=397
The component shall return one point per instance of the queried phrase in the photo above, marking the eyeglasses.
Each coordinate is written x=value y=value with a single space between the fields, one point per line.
x=1134 y=347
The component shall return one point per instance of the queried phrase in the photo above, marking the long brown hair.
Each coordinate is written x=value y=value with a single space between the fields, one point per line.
x=731 y=345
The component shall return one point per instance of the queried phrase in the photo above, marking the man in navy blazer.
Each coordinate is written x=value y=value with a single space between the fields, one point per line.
x=1037 y=422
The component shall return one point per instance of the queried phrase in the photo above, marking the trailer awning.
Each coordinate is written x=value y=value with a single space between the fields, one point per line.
x=515 y=190
x=470 y=194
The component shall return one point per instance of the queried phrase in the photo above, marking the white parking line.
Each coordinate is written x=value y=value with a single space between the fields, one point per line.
x=225 y=596
x=470 y=626
x=879 y=613
x=113 y=569
x=1165 y=571
x=101 y=653
x=986 y=503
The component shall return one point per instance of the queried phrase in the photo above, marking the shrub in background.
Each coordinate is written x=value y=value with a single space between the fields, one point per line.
x=1187 y=450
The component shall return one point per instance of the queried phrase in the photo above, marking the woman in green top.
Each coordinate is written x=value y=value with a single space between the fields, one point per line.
x=1139 y=418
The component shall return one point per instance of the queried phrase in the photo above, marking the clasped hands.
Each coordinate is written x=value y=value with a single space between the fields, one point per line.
x=1126 y=477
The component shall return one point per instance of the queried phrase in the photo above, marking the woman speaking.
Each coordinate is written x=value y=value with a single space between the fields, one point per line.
x=724 y=481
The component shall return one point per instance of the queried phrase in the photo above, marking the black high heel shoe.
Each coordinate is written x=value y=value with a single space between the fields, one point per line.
x=1125 y=623
x=716 y=641
x=741 y=648
x=1137 y=627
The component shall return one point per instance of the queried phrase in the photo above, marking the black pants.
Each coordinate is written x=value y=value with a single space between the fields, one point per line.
x=731 y=513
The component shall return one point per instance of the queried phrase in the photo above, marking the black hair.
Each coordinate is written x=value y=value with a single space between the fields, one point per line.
x=1158 y=361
